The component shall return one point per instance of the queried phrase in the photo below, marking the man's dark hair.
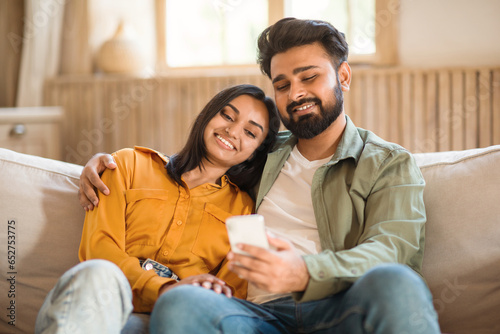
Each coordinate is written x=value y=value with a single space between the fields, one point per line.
x=246 y=174
x=291 y=32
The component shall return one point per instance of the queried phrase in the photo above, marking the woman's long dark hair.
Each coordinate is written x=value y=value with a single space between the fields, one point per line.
x=246 y=174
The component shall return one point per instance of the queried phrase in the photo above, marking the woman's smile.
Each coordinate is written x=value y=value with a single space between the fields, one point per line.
x=225 y=143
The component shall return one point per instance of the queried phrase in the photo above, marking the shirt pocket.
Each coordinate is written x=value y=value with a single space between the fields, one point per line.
x=212 y=243
x=146 y=216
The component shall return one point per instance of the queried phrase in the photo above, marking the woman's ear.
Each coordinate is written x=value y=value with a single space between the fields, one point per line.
x=344 y=75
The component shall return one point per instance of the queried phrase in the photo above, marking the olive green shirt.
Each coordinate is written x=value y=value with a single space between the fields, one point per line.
x=368 y=204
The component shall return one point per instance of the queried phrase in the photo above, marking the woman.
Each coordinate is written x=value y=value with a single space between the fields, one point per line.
x=163 y=222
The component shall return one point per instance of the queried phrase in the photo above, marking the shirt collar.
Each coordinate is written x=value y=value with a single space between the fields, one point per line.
x=162 y=156
x=350 y=145
x=224 y=179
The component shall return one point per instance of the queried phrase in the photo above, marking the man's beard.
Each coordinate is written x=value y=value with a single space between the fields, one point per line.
x=310 y=125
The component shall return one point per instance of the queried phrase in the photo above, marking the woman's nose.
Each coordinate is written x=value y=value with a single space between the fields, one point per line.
x=232 y=131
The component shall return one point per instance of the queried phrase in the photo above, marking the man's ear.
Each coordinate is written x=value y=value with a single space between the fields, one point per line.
x=344 y=74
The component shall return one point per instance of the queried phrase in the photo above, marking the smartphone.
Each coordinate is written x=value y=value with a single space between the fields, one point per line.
x=247 y=229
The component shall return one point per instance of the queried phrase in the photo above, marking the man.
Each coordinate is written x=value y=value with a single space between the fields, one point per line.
x=345 y=209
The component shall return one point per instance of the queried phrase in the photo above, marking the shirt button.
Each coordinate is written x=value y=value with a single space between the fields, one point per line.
x=165 y=253
x=179 y=222
x=149 y=266
x=321 y=274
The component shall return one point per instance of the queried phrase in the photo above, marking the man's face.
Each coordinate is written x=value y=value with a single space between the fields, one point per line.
x=307 y=90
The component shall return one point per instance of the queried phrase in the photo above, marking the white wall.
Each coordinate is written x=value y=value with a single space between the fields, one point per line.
x=449 y=33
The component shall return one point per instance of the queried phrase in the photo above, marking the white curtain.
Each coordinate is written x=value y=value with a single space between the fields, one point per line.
x=43 y=23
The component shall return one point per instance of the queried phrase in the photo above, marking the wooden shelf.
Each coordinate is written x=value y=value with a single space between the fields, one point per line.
x=33 y=130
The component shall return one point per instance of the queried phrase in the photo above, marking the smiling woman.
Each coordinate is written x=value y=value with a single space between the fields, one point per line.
x=233 y=135
x=162 y=224
x=221 y=112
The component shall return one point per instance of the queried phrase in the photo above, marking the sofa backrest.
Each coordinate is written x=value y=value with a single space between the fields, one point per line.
x=40 y=228
x=462 y=251
x=40 y=216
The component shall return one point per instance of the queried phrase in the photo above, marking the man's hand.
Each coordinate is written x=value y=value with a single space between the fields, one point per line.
x=90 y=180
x=206 y=281
x=277 y=271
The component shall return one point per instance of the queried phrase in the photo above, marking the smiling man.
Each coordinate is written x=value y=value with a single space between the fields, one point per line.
x=345 y=209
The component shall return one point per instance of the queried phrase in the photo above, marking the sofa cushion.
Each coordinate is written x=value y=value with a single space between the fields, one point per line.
x=42 y=220
x=462 y=253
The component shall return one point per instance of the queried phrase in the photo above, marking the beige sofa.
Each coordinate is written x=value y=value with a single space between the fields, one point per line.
x=41 y=221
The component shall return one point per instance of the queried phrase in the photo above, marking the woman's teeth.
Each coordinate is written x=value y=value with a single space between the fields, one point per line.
x=225 y=142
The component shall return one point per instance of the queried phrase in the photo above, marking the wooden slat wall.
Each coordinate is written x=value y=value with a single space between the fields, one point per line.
x=423 y=110
x=428 y=110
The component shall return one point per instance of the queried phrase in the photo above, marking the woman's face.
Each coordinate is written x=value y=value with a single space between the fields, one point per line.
x=233 y=135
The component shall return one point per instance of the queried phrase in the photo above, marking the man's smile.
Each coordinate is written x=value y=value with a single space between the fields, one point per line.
x=304 y=109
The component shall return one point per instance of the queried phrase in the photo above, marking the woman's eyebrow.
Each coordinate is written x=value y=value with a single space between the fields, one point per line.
x=252 y=122
x=234 y=108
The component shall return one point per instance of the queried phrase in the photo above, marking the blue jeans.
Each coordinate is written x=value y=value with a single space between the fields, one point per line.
x=92 y=297
x=387 y=299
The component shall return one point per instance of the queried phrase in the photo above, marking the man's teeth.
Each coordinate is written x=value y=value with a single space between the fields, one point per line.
x=225 y=142
x=305 y=107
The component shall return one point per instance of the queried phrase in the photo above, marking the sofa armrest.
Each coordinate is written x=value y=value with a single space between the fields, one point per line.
x=462 y=252
x=40 y=228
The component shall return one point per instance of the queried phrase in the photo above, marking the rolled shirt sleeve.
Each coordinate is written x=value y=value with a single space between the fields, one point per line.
x=373 y=212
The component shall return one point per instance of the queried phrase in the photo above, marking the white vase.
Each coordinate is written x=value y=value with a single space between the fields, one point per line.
x=122 y=53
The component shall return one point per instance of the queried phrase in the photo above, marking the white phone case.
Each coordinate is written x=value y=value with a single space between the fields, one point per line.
x=247 y=229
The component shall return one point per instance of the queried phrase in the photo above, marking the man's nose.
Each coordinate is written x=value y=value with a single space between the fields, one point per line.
x=297 y=91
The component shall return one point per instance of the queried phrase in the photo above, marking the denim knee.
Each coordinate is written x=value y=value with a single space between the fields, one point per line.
x=95 y=273
x=394 y=276
x=177 y=308
x=98 y=267
x=395 y=299
x=176 y=301
x=392 y=286
x=93 y=294
x=179 y=296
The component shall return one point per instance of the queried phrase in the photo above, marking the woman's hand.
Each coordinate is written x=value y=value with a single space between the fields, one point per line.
x=90 y=180
x=206 y=281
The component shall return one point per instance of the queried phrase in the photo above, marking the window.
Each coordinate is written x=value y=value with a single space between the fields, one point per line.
x=201 y=33
x=352 y=17
x=216 y=32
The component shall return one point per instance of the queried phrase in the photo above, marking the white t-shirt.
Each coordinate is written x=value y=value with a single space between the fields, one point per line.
x=289 y=213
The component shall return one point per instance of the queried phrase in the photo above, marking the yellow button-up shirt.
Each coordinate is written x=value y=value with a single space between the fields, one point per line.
x=148 y=215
